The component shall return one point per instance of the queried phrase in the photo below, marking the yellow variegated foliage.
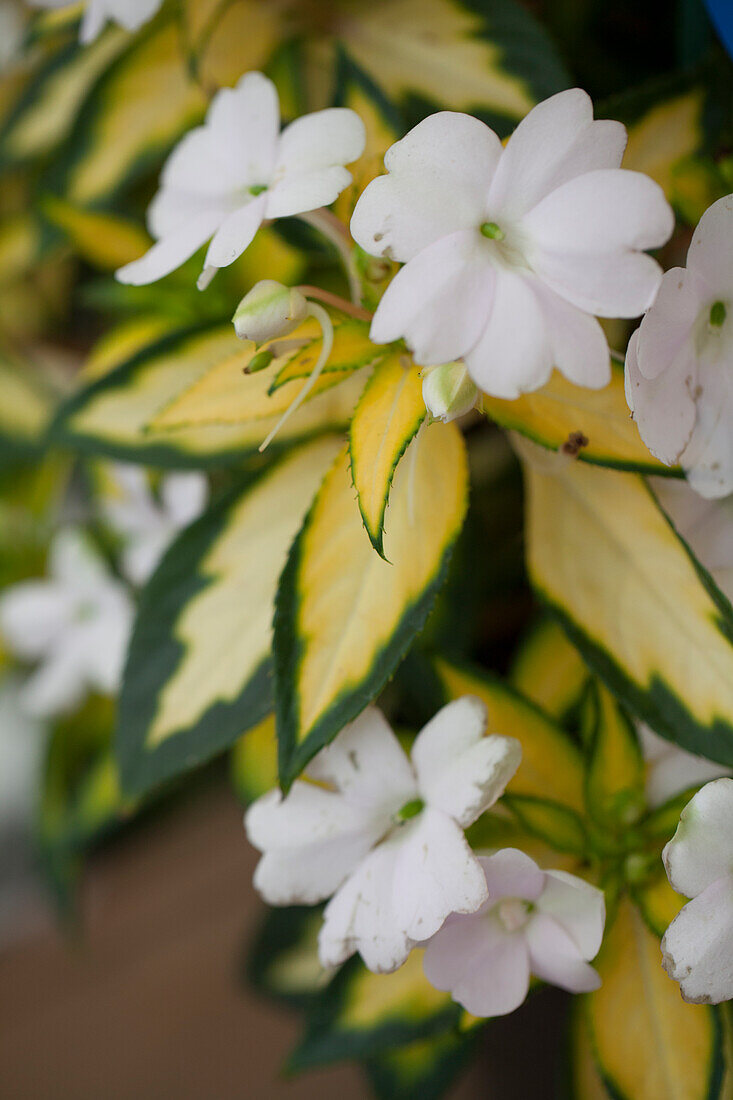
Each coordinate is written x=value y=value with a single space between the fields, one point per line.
x=658 y=903
x=595 y=425
x=105 y=240
x=602 y=553
x=664 y=135
x=254 y=761
x=124 y=340
x=24 y=405
x=649 y=1044
x=549 y=670
x=342 y=608
x=615 y=774
x=377 y=999
x=586 y=1081
x=552 y=766
x=388 y=415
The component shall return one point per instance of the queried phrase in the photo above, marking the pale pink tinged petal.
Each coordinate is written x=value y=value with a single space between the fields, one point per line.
x=617 y=284
x=664 y=409
x=697 y=948
x=56 y=687
x=297 y=193
x=669 y=323
x=701 y=850
x=245 y=124
x=235 y=234
x=324 y=139
x=711 y=250
x=439 y=301
x=677 y=771
x=578 y=344
x=708 y=457
x=544 y=147
x=366 y=763
x=513 y=354
x=92 y=21
x=511 y=873
x=439 y=178
x=554 y=957
x=170 y=252
x=33 y=615
x=578 y=907
x=436 y=873
x=605 y=211
x=184 y=496
x=457 y=946
x=494 y=981
x=460 y=770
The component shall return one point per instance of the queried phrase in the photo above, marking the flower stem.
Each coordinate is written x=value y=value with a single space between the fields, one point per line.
x=337 y=233
x=336 y=301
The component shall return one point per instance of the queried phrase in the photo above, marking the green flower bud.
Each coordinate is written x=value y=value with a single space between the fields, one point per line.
x=448 y=391
x=268 y=311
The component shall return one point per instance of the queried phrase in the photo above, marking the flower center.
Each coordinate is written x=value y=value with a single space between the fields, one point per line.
x=513 y=913
x=493 y=231
x=409 y=810
x=256 y=189
x=718 y=314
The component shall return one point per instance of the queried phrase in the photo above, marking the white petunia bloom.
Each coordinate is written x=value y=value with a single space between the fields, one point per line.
x=546 y=923
x=383 y=833
x=75 y=623
x=510 y=252
x=697 y=947
x=679 y=363
x=147 y=526
x=130 y=14
x=237 y=170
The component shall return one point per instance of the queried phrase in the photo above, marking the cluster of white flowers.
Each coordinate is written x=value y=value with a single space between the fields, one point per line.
x=130 y=14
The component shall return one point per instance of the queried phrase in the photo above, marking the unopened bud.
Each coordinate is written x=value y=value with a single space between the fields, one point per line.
x=268 y=311
x=448 y=392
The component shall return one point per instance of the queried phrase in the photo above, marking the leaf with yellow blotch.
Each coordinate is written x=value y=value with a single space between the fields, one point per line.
x=388 y=415
x=615 y=770
x=345 y=617
x=549 y=670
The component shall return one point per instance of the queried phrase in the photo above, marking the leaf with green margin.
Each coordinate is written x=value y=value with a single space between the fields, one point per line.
x=552 y=822
x=351 y=350
x=387 y=417
x=253 y=761
x=26 y=406
x=361 y=1014
x=657 y=902
x=585 y=1081
x=560 y=411
x=198 y=670
x=614 y=782
x=549 y=670
x=647 y=617
x=109 y=416
x=426 y=1068
x=282 y=960
x=344 y=617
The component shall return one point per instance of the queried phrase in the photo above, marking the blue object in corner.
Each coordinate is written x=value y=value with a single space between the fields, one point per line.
x=721 y=13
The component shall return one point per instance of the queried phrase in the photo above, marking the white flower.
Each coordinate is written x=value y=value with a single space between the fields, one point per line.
x=670 y=769
x=146 y=525
x=130 y=14
x=546 y=923
x=705 y=525
x=697 y=947
x=384 y=833
x=229 y=175
x=76 y=623
x=679 y=363
x=510 y=251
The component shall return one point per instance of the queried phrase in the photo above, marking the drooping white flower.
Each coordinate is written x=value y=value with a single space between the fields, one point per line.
x=383 y=833
x=130 y=14
x=679 y=363
x=697 y=948
x=148 y=525
x=510 y=252
x=237 y=170
x=75 y=623
x=546 y=923
x=670 y=769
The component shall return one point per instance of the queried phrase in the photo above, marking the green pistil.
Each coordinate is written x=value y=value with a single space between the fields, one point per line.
x=410 y=809
x=257 y=189
x=718 y=314
x=493 y=231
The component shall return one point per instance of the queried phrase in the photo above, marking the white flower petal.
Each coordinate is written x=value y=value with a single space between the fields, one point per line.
x=438 y=302
x=74 y=562
x=701 y=850
x=439 y=175
x=104 y=639
x=706 y=525
x=697 y=947
x=578 y=907
x=198 y=170
x=245 y=123
x=578 y=344
x=664 y=409
x=170 y=252
x=92 y=22
x=57 y=686
x=513 y=354
x=296 y=193
x=33 y=615
x=557 y=141
x=511 y=873
x=554 y=957
x=608 y=210
x=483 y=968
x=667 y=328
x=614 y=284
x=184 y=496
x=324 y=139
x=711 y=249
x=460 y=770
x=235 y=233
x=708 y=457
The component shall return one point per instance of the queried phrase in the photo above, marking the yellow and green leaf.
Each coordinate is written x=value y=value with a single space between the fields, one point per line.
x=649 y=1044
x=657 y=902
x=615 y=770
x=105 y=240
x=387 y=417
x=283 y=960
x=253 y=761
x=25 y=408
x=594 y=425
x=549 y=670
x=345 y=617
x=425 y=1067
x=647 y=617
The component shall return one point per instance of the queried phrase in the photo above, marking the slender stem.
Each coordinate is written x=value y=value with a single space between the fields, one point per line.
x=337 y=233
x=314 y=310
x=336 y=301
